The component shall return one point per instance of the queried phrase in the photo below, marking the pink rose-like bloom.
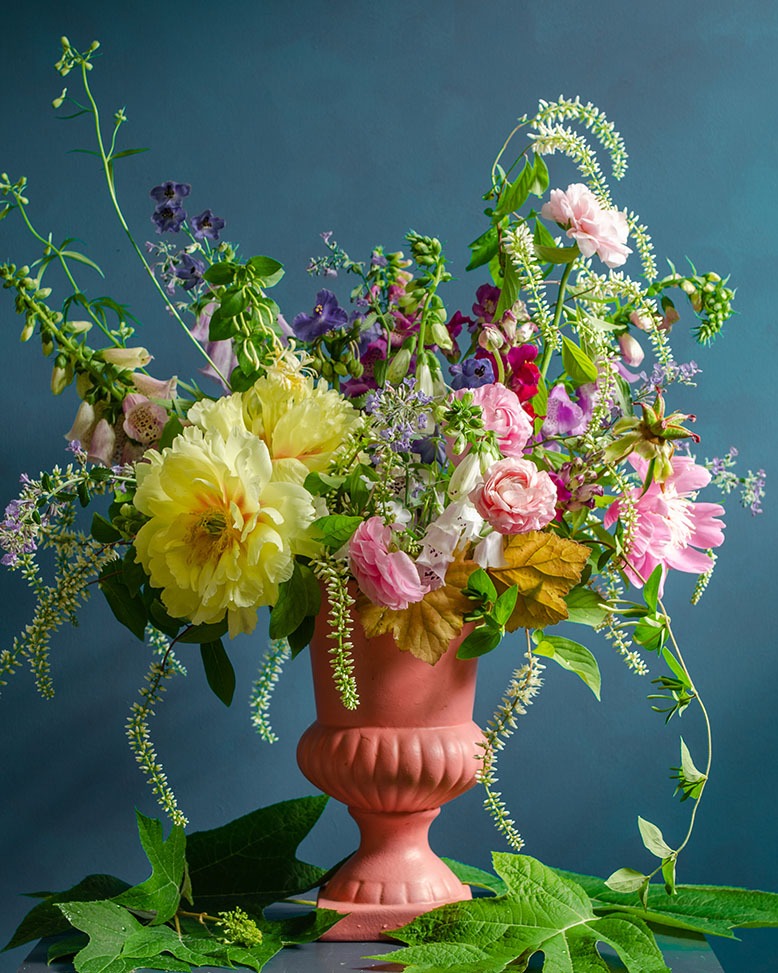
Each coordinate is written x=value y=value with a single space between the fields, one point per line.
x=596 y=230
x=503 y=415
x=387 y=577
x=670 y=524
x=516 y=497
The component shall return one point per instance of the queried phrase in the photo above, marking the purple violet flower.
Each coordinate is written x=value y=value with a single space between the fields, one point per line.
x=170 y=192
x=327 y=316
x=472 y=373
x=207 y=226
x=189 y=270
x=168 y=217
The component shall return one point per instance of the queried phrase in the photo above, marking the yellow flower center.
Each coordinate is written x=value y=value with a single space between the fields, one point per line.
x=210 y=536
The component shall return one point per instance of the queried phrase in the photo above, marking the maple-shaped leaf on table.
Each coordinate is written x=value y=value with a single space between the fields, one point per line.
x=544 y=567
x=425 y=628
x=541 y=912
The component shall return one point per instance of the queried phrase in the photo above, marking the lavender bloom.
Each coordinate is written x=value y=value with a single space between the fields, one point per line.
x=170 y=192
x=17 y=532
x=189 y=270
x=206 y=225
x=327 y=316
x=472 y=374
x=168 y=217
x=565 y=417
x=399 y=414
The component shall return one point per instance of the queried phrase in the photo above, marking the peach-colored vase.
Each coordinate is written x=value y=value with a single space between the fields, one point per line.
x=410 y=746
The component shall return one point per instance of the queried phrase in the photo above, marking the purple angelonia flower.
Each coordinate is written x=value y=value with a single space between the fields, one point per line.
x=168 y=217
x=327 y=316
x=189 y=270
x=170 y=192
x=472 y=373
x=206 y=225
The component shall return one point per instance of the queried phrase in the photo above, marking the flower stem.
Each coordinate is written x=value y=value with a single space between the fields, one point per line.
x=545 y=360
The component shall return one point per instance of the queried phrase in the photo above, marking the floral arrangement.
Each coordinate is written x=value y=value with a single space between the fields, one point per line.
x=383 y=459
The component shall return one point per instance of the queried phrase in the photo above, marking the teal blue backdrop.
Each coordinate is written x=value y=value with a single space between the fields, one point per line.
x=292 y=118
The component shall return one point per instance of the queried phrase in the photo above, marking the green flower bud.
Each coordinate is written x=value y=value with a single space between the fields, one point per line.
x=59 y=100
x=398 y=366
x=29 y=328
x=59 y=380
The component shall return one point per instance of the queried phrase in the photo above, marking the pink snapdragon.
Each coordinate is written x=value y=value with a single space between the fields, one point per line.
x=670 y=525
x=516 y=497
x=387 y=577
x=595 y=230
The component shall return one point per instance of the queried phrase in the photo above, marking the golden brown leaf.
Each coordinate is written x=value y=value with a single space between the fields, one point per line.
x=426 y=628
x=545 y=567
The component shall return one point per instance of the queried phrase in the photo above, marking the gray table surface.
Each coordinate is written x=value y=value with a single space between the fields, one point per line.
x=683 y=953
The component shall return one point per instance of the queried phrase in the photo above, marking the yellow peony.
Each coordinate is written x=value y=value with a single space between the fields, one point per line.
x=222 y=534
x=303 y=423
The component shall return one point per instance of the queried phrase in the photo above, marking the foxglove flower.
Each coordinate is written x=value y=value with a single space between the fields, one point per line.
x=326 y=316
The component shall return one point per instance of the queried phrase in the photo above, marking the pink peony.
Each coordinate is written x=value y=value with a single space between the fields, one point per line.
x=516 y=497
x=670 y=525
x=387 y=577
x=503 y=415
x=596 y=230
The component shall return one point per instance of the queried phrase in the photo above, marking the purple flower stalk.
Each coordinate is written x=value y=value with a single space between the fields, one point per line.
x=327 y=316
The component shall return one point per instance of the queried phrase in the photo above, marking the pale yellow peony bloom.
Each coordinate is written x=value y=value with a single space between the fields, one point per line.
x=221 y=535
x=302 y=422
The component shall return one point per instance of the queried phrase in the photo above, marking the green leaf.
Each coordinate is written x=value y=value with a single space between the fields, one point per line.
x=298 y=598
x=540 y=912
x=81 y=259
x=690 y=772
x=267 y=270
x=476 y=877
x=336 y=529
x=540 y=399
x=626 y=880
x=540 y=178
x=509 y=290
x=651 y=588
x=220 y=274
x=233 y=302
x=103 y=531
x=706 y=909
x=557 y=255
x=302 y=635
x=483 y=248
x=199 y=634
x=574 y=657
x=514 y=195
x=173 y=427
x=46 y=919
x=653 y=840
x=251 y=861
x=668 y=874
x=218 y=670
x=586 y=607
x=127 y=608
x=578 y=365
x=481 y=640
x=503 y=607
x=125 y=152
x=480 y=586
x=160 y=894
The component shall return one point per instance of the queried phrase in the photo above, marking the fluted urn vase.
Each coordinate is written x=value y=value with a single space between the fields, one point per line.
x=410 y=746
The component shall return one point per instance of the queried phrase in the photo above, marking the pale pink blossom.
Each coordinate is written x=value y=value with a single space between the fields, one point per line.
x=516 y=497
x=632 y=353
x=154 y=388
x=595 y=230
x=503 y=415
x=130 y=358
x=459 y=524
x=221 y=353
x=387 y=577
x=670 y=525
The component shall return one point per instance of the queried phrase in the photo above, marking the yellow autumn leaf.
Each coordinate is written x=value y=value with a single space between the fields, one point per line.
x=425 y=628
x=545 y=567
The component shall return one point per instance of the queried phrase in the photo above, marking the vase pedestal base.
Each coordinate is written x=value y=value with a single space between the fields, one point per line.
x=392 y=878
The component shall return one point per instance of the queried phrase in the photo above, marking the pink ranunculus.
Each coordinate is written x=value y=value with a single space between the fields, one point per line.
x=516 y=497
x=387 y=577
x=596 y=230
x=670 y=525
x=503 y=415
